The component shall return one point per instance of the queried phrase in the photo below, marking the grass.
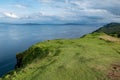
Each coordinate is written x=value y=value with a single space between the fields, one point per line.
x=86 y=58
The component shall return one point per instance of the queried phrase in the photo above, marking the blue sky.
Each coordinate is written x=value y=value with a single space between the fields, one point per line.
x=59 y=11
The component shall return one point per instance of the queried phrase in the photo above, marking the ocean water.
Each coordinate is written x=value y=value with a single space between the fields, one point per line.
x=17 y=38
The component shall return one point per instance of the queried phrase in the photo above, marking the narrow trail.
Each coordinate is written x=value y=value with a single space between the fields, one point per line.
x=109 y=38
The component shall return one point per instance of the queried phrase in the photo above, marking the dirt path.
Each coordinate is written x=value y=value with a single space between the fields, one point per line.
x=109 y=38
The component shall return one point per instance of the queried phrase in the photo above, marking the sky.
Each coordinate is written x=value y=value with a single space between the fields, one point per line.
x=60 y=11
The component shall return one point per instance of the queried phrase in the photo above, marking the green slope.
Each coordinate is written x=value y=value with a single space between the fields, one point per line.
x=92 y=57
x=112 y=29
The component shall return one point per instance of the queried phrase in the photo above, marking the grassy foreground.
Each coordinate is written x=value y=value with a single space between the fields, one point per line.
x=92 y=57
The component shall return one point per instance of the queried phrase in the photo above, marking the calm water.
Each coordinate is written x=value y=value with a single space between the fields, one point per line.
x=17 y=38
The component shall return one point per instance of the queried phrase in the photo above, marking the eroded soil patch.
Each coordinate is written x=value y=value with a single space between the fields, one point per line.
x=114 y=72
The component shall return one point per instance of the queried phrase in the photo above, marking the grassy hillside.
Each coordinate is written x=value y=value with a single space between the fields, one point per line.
x=95 y=56
x=112 y=29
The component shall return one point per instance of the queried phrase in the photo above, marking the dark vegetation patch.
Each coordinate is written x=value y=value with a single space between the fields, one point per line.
x=29 y=55
x=59 y=42
x=118 y=51
x=57 y=52
x=79 y=45
x=83 y=59
x=112 y=29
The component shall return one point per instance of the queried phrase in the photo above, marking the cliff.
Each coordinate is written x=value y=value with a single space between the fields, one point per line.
x=95 y=56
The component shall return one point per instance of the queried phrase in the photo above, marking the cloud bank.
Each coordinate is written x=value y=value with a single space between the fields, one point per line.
x=61 y=11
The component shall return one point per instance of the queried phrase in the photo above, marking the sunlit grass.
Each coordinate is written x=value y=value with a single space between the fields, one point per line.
x=86 y=58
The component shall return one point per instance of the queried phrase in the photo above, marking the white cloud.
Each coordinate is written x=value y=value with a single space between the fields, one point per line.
x=10 y=15
x=46 y=1
x=20 y=6
x=110 y=5
x=80 y=4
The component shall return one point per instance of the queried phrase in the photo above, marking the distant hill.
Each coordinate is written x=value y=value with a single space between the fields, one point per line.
x=95 y=56
x=112 y=29
x=42 y=24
